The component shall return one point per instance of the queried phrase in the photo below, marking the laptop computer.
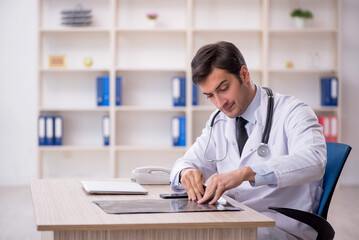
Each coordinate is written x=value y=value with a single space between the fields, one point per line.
x=113 y=187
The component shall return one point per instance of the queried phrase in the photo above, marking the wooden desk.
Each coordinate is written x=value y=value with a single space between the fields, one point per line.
x=66 y=210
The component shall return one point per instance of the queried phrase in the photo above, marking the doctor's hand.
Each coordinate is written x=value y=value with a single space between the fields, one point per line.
x=219 y=183
x=192 y=180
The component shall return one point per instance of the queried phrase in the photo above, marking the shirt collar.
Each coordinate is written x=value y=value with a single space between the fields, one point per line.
x=249 y=112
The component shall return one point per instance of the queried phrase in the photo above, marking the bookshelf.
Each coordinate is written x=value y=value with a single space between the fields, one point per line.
x=121 y=43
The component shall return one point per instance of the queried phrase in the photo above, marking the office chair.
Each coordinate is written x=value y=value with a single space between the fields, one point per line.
x=337 y=154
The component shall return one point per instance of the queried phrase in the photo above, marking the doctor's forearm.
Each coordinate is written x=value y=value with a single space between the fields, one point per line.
x=247 y=174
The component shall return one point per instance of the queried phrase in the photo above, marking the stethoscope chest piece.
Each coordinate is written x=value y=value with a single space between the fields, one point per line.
x=263 y=150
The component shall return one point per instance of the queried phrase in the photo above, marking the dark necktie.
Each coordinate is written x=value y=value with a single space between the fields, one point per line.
x=242 y=135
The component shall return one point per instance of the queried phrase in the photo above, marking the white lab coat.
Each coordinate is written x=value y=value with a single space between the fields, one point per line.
x=297 y=156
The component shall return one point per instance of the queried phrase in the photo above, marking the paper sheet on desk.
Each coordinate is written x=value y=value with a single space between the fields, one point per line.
x=161 y=206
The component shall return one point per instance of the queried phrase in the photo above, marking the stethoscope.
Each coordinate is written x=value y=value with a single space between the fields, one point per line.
x=263 y=148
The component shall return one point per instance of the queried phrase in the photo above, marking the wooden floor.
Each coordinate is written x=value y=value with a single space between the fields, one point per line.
x=17 y=218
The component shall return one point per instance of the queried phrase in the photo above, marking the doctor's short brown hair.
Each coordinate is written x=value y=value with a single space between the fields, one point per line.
x=222 y=55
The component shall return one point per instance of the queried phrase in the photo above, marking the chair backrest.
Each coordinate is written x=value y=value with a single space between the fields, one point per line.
x=337 y=154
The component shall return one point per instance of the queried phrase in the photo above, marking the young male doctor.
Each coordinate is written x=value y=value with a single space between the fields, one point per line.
x=225 y=156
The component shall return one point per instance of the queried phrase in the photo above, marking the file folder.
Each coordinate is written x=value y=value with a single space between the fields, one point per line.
x=42 y=130
x=182 y=136
x=330 y=127
x=99 y=89
x=118 y=91
x=179 y=91
x=329 y=88
x=179 y=131
x=103 y=90
x=333 y=129
x=49 y=130
x=58 y=130
x=106 y=130
x=106 y=90
x=194 y=95
x=324 y=121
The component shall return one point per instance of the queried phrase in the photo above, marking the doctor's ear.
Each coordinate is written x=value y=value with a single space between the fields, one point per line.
x=244 y=74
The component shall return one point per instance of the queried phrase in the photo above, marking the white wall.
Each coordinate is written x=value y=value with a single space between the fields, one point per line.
x=18 y=91
x=18 y=49
x=350 y=85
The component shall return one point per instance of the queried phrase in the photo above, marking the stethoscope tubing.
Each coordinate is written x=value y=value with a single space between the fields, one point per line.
x=270 y=106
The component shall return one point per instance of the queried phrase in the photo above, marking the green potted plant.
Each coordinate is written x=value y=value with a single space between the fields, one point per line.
x=300 y=16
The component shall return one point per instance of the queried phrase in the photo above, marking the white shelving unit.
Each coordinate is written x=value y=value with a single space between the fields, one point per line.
x=121 y=43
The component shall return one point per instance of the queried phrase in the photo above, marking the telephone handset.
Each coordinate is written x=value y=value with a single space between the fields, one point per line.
x=151 y=175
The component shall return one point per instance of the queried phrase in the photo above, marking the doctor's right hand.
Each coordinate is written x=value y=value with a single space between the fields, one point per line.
x=193 y=181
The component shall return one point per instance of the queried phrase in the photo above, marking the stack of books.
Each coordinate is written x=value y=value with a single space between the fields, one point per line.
x=76 y=17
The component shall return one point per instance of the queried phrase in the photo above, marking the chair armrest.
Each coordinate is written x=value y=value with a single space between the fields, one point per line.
x=319 y=224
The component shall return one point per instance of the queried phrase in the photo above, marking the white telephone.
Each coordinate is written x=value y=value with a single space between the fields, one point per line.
x=151 y=175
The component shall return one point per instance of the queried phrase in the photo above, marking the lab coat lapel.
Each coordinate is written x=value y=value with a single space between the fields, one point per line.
x=255 y=138
x=253 y=142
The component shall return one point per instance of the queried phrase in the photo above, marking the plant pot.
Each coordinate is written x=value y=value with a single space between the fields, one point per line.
x=152 y=22
x=299 y=22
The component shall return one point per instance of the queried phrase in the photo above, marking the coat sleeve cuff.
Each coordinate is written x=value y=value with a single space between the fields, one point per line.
x=176 y=186
x=264 y=176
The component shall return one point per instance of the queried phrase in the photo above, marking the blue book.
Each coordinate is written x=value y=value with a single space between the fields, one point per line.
x=118 y=91
x=194 y=95
x=106 y=130
x=329 y=88
x=42 y=130
x=58 y=130
x=49 y=130
x=179 y=91
x=179 y=131
x=106 y=90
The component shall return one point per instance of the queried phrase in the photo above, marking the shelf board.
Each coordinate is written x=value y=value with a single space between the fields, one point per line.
x=73 y=148
x=149 y=109
x=224 y=30
x=314 y=70
x=90 y=69
x=304 y=31
x=208 y=108
x=74 y=109
x=149 y=148
x=151 y=69
x=150 y=30
x=328 y=109
x=75 y=30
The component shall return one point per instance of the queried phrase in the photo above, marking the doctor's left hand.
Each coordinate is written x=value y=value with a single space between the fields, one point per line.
x=219 y=183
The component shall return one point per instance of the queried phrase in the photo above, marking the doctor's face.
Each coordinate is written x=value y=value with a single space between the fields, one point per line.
x=227 y=92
